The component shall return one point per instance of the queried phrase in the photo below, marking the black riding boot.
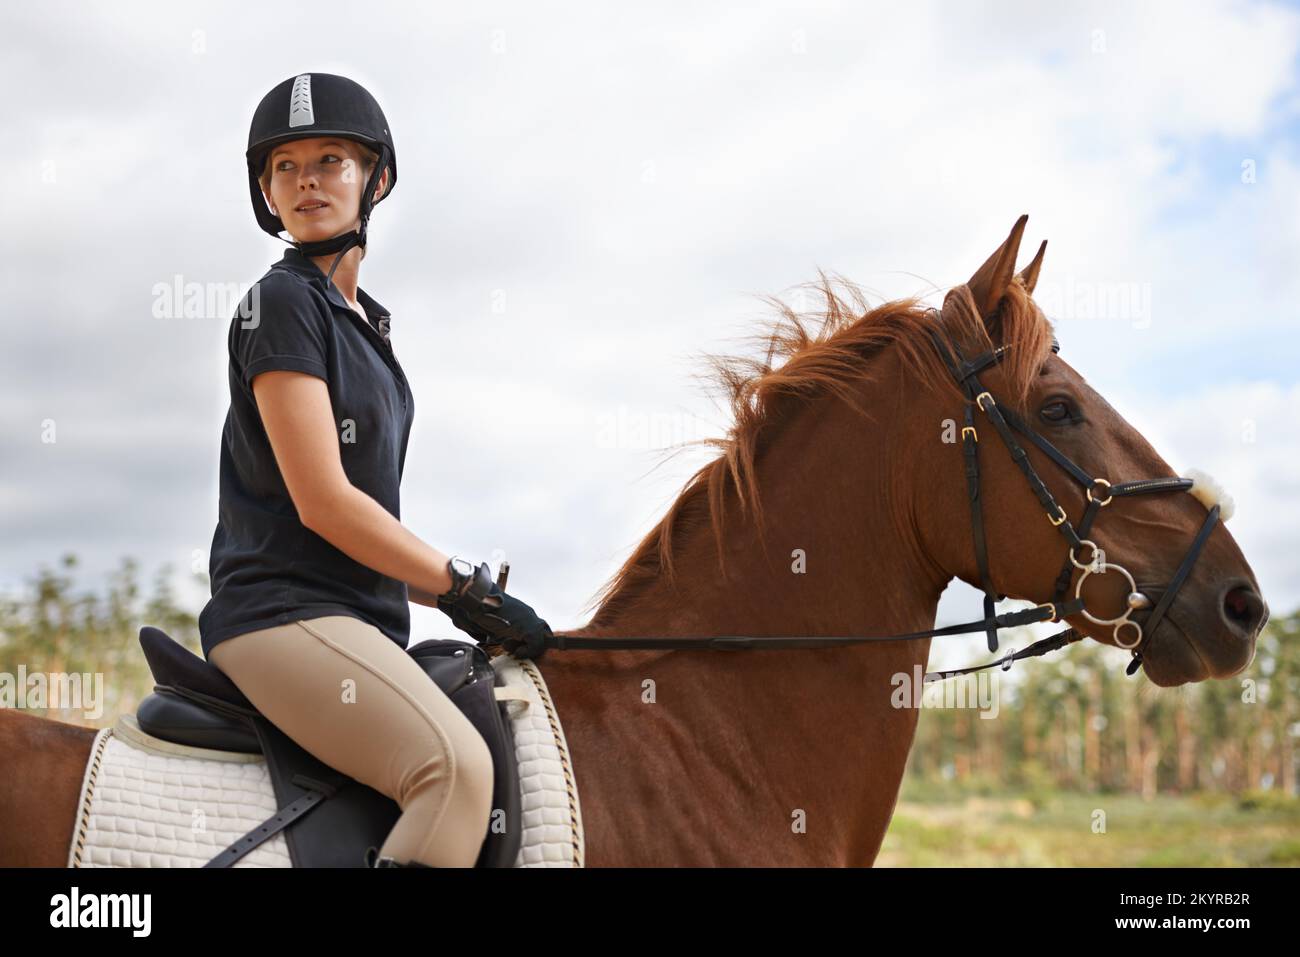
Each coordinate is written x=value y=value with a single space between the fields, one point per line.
x=374 y=860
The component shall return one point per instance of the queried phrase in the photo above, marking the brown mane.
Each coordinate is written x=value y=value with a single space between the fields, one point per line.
x=834 y=360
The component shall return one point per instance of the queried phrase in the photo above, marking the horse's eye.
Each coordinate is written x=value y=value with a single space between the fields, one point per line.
x=1055 y=412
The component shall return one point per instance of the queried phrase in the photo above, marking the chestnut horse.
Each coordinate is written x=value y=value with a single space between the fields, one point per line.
x=837 y=456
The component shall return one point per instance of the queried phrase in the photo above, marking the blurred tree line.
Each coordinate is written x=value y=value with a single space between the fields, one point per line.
x=57 y=629
x=1071 y=723
x=1078 y=723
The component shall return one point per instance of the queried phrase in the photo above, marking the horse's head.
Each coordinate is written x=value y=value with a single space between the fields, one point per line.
x=1168 y=536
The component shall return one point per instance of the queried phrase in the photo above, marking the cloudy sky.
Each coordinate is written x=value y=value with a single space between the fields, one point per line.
x=592 y=197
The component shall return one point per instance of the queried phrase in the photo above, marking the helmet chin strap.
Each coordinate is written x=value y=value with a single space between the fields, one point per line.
x=335 y=244
x=340 y=244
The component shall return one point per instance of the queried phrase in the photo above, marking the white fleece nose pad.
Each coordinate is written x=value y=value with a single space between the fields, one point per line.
x=1210 y=493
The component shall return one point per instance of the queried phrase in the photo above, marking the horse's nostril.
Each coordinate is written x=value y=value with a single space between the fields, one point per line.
x=1235 y=603
x=1243 y=608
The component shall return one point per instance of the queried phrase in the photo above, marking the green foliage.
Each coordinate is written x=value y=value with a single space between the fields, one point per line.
x=1168 y=831
x=1036 y=783
x=1269 y=801
x=1073 y=724
x=1284 y=854
x=56 y=628
x=1077 y=723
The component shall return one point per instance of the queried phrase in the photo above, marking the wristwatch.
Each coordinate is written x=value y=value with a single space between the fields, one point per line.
x=462 y=572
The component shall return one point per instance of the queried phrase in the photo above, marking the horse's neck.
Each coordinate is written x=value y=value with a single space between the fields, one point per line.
x=756 y=736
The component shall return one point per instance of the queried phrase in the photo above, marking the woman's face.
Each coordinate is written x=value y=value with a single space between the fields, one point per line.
x=315 y=186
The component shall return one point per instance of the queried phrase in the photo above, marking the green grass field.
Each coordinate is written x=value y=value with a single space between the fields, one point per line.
x=935 y=829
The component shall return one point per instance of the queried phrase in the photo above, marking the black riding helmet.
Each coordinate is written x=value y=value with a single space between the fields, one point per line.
x=319 y=104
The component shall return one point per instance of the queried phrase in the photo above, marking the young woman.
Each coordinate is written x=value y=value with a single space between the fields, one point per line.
x=311 y=566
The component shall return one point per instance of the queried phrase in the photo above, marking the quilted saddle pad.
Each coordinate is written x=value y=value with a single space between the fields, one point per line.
x=146 y=802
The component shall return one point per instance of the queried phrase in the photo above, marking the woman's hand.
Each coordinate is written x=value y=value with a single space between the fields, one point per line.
x=489 y=615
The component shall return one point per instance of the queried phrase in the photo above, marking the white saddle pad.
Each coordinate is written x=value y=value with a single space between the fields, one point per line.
x=146 y=802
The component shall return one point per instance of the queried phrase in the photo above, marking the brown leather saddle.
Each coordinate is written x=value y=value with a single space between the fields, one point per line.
x=329 y=819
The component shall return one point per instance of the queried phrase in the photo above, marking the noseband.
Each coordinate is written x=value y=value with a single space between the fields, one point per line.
x=1100 y=493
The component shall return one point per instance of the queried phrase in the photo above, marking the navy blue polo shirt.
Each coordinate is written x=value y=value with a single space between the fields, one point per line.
x=266 y=567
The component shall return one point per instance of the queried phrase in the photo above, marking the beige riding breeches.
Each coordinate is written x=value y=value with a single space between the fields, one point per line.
x=349 y=695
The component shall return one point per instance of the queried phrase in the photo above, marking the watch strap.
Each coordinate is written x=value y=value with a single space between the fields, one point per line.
x=468 y=594
x=458 y=578
x=479 y=587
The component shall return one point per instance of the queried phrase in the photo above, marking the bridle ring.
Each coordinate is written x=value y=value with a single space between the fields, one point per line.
x=1120 y=627
x=1092 y=565
x=1105 y=567
x=1100 y=502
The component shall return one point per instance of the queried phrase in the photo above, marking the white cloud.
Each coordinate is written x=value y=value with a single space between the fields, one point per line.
x=629 y=180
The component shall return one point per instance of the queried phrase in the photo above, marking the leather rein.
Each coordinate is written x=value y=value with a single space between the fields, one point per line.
x=1099 y=492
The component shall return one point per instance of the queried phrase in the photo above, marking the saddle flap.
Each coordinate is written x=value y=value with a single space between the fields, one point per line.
x=336 y=831
x=465 y=674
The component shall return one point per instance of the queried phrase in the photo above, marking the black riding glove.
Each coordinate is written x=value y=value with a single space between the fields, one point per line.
x=489 y=615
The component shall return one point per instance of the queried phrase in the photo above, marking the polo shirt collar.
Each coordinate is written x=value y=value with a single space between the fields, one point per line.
x=299 y=263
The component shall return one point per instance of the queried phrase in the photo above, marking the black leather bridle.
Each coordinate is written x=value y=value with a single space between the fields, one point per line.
x=1100 y=493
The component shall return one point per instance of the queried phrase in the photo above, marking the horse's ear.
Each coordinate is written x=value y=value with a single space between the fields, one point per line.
x=990 y=281
x=1029 y=275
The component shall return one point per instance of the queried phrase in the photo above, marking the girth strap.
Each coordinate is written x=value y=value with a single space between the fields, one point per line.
x=317 y=791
